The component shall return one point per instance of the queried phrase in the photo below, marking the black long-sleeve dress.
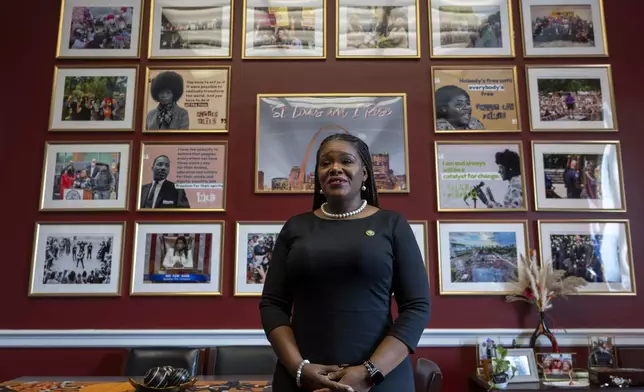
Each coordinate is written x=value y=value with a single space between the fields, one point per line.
x=338 y=276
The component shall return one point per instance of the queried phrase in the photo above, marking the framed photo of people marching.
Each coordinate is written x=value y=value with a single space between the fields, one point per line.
x=284 y=29
x=377 y=29
x=183 y=176
x=176 y=258
x=563 y=28
x=475 y=99
x=77 y=259
x=471 y=28
x=597 y=250
x=191 y=29
x=480 y=257
x=187 y=99
x=578 y=176
x=571 y=98
x=480 y=176
x=255 y=244
x=84 y=176
x=93 y=98
x=291 y=126
x=99 y=29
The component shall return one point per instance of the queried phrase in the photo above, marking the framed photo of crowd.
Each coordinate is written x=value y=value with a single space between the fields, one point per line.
x=255 y=244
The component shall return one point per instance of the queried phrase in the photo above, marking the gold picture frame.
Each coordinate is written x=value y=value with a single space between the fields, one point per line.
x=319 y=20
x=209 y=116
x=69 y=251
x=180 y=280
x=190 y=4
x=341 y=116
x=424 y=246
x=575 y=227
x=181 y=199
x=378 y=53
x=471 y=192
x=444 y=249
x=489 y=111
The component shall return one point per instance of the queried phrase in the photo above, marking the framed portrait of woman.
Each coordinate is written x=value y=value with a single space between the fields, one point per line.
x=187 y=99
x=255 y=243
x=475 y=99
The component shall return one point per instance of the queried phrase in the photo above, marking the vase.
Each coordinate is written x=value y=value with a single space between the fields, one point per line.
x=543 y=330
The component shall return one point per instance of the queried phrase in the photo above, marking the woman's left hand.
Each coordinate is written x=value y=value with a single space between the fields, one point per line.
x=355 y=376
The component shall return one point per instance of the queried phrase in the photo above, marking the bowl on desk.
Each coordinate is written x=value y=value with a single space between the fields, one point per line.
x=164 y=379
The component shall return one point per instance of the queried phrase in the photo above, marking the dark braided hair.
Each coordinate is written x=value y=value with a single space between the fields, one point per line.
x=371 y=193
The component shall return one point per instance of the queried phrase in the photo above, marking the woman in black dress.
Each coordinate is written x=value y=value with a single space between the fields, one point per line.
x=336 y=268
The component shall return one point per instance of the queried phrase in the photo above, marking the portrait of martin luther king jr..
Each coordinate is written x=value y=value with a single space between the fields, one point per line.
x=162 y=193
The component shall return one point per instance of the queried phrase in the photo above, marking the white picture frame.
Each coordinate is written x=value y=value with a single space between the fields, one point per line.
x=96 y=248
x=201 y=270
x=421 y=233
x=245 y=233
x=526 y=365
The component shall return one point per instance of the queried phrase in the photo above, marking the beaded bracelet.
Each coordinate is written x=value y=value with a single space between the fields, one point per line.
x=298 y=376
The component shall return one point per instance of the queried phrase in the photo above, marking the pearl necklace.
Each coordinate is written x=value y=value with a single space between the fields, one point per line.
x=344 y=214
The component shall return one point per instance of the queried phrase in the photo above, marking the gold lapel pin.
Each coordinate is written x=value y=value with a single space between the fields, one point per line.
x=370 y=233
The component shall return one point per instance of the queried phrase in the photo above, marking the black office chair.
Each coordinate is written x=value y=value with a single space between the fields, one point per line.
x=427 y=376
x=242 y=360
x=140 y=359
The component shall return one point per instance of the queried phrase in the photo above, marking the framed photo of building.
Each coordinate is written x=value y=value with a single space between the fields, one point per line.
x=598 y=250
x=291 y=126
x=563 y=28
x=190 y=99
x=480 y=176
x=578 y=176
x=99 y=29
x=284 y=29
x=475 y=99
x=93 y=98
x=183 y=176
x=421 y=234
x=471 y=28
x=191 y=29
x=176 y=258
x=571 y=98
x=84 y=176
x=77 y=259
x=255 y=244
x=480 y=257
x=377 y=29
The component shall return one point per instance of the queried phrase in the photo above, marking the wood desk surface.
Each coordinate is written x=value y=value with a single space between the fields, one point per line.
x=477 y=384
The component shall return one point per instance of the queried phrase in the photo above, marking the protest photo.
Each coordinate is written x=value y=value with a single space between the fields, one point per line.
x=255 y=243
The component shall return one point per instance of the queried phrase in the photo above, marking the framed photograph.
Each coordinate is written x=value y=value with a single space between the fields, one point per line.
x=524 y=361
x=571 y=98
x=77 y=259
x=284 y=29
x=183 y=176
x=480 y=257
x=602 y=352
x=187 y=99
x=255 y=243
x=480 y=176
x=599 y=251
x=93 y=98
x=421 y=234
x=291 y=126
x=84 y=176
x=578 y=176
x=555 y=365
x=475 y=99
x=191 y=29
x=471 y=28
x=377 y=29
x=99 y=29
x=561 y=28
x=173 y=258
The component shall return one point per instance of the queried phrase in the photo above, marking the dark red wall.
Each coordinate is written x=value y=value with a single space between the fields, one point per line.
x=28 y=58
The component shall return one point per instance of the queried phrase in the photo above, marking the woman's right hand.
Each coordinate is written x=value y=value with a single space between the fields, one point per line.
x=315 y=377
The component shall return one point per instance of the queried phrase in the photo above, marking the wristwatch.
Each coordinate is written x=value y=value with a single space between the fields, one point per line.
x=375 y=375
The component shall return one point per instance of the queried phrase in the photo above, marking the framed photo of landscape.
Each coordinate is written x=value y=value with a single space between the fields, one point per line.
x=77 y=259
x=191 y=29
x=563 y=28
x=93 y=98
x=571 y=98
x=291 y=126
x=377 y=29
x=284 y=30
x=99 y=29
x=480 y=257
x=578 y=176
x=177 y=258
x=471 y=28
x=599 y=251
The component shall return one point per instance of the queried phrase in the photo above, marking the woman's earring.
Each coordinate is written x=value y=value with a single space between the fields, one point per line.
x=364 y=188
x=321 y=192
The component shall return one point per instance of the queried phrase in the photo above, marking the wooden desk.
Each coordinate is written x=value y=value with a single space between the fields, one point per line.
x=476 y=384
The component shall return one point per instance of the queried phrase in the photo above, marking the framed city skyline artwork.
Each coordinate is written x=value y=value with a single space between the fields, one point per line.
x=290 y=128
